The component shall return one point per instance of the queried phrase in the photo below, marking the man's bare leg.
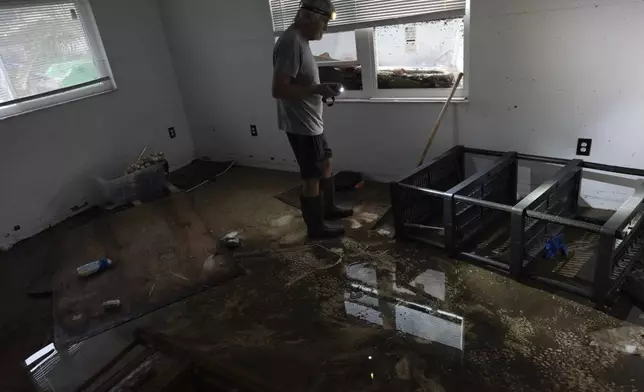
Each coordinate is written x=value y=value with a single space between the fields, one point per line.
x=328 y=168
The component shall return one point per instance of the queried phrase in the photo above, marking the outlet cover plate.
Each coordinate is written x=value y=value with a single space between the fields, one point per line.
x=583 y=146
x=253 y=130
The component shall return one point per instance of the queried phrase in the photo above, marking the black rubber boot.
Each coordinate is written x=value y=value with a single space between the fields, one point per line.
x=312 y=214
x=331 y=210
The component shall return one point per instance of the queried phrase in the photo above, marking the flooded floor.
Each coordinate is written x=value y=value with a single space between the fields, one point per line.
x=162 y=251
x=349 y=316
x=358 y=314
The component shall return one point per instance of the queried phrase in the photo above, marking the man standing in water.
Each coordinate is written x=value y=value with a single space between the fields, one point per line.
x=299 y=93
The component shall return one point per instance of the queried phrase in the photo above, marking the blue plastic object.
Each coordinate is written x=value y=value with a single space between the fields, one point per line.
x=93 y=267
x=554 y=246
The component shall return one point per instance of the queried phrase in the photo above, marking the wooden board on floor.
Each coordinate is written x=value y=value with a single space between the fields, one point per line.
x=162 y=252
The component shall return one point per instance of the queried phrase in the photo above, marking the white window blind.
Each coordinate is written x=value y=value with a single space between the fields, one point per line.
x=48 y=48
x=355 y=14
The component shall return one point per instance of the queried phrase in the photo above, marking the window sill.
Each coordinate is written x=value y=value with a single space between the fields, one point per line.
x=72 y=98
x=401 y=100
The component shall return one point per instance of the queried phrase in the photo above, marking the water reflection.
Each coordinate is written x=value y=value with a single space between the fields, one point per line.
x=431 y=281
x=373 y=297
x=49 y=365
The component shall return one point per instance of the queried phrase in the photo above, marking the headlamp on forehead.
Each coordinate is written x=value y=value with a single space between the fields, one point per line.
x=329 y=14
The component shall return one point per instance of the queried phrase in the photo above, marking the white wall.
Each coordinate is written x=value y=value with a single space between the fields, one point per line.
x=48 y=158
x=224 y=67
x=569 y=67
x=542 y=74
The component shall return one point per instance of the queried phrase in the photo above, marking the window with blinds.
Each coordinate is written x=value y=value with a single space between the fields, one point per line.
x=50 y=52
x=355 y=14
x=384 y=49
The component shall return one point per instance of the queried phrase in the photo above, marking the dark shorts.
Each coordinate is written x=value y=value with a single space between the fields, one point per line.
x=310 y=152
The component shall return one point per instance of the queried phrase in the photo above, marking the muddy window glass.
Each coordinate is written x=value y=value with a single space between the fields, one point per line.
x=420 y=55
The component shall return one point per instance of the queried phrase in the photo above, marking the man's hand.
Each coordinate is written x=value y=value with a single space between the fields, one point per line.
x=328 y=90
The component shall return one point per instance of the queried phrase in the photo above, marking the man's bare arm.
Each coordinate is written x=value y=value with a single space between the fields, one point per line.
x=284 y=89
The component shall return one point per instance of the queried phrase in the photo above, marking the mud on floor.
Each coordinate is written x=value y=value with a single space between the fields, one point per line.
x=335 y=313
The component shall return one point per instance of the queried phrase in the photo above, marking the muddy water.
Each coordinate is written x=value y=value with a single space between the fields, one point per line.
x=352 y=317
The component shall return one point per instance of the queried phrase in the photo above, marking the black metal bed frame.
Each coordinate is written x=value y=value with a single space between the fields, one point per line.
x=438 y=205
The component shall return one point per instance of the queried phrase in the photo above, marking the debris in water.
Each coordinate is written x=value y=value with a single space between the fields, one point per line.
x=384 y=232
x=180 y=276
x=151 y=290
x=231 y=240
x=93 y=267
x=112 y=304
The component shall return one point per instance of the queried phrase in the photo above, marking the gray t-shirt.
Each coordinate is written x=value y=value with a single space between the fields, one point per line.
x=292 y=56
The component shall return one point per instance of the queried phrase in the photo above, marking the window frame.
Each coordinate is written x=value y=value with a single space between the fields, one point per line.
x=103 y=85
x=367 y=59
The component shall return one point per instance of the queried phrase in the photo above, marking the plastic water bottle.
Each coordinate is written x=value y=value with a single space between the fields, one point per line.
x=93 y=267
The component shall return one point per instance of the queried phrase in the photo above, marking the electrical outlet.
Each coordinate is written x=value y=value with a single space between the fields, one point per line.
x=583 y=146
x=253 y=130
x=172 y=133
